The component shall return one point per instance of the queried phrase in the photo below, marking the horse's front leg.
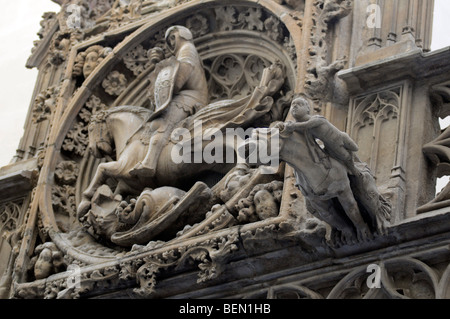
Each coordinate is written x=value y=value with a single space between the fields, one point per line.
x=104 y=171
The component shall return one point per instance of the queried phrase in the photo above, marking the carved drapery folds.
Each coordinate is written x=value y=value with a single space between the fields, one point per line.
x=231 y=76
x=249 y=77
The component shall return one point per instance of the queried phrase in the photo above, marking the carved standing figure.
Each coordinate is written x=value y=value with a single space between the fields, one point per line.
x=337 y=191
x=337 y=143
x=180 y=89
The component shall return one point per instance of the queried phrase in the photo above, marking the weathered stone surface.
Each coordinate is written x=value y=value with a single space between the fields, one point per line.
x=126 y=184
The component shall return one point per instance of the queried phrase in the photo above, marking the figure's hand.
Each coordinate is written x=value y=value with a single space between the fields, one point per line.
x=279 y=126
x=156 y=55
x=290 y=128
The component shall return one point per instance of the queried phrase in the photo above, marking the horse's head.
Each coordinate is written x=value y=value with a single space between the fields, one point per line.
x=100 y=141
x=262 y=147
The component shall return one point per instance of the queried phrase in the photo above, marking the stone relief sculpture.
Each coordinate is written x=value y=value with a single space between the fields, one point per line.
x=134 y=223
x=338 y=189
x=141 y=138
x=131 y=217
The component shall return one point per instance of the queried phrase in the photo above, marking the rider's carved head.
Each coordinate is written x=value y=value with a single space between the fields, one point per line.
x=175 y=35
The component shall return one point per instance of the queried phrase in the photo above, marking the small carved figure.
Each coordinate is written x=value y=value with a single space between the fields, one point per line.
x=180 y=90
x=337 y=143
x=49 y=260
x=262 y=203
x=265 y=205
x=235 y=181
x=87 y=61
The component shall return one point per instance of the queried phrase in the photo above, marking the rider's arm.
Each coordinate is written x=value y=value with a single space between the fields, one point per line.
x=184 y=72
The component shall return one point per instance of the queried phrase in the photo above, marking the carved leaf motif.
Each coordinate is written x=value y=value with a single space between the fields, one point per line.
x=64 y=199
x=273 y=28
x=44 y=104
x=77 y=139
x=66 y=173
x=225 y=17
x=251 y=19
x=136 y=60
x=146 y=278
x=93 y=105
x=198 y=25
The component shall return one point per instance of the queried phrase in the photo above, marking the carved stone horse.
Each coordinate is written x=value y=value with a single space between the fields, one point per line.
x=122 y=129
x=331 y=194
x=125 y=128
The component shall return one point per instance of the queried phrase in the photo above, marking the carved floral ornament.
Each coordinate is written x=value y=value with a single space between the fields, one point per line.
x=247 y=88
x=45 y=104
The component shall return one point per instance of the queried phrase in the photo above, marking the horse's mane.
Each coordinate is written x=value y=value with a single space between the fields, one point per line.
x=102 y=115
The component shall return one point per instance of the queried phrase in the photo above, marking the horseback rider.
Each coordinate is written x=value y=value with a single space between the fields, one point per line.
x=180 y=89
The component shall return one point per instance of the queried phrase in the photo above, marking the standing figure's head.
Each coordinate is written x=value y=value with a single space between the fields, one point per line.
x=300 y=107
x=176 y=35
